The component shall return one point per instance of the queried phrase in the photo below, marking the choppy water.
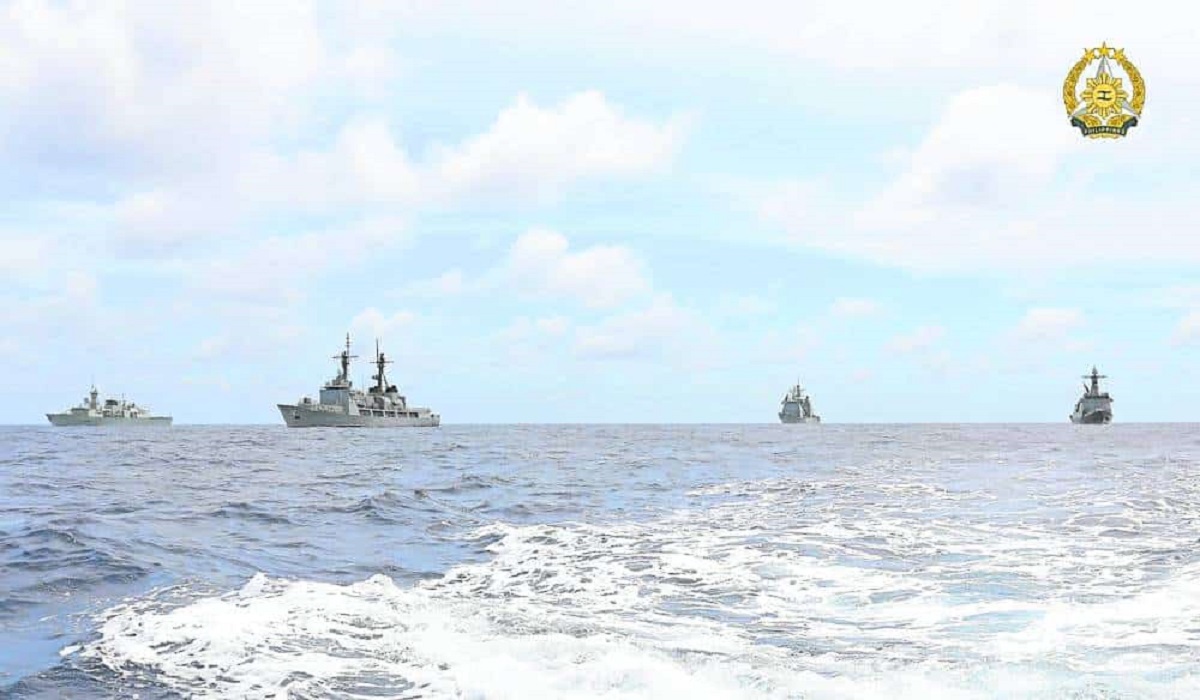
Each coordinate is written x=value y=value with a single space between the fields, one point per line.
x=817 y=562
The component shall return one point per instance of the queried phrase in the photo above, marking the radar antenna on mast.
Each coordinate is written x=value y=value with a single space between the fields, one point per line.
x=380 y=362
x=345 y=358
x=1095 y=376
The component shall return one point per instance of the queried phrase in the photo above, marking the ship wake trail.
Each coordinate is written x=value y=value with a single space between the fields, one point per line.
x=778 y=588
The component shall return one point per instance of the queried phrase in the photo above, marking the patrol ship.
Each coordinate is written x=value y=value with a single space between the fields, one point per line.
x=1094 y=406
x=343 y=406
x=796 y=407
x=111 y=412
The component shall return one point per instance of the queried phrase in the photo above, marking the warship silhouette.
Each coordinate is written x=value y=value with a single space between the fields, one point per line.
x=111 y=412
x=1094 y=406
x=796 y=407
x=342 y=406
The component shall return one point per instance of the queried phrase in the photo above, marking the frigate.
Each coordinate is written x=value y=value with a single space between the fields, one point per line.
x=1094 y=406
x=796 y=407
x=342 y=406
x=111 y=412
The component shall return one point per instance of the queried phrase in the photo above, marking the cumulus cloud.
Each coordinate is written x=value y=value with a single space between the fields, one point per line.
x=248 y=337
x=540 y=264
x=661 y=329
x=143 y=82
x=957 y=170
x=878 y=42
x=1048 y=324
x=449 y=282
x=527 y=340
x=373 y=323
x=282 y=269
x=364 y=165
x=531 y=150
x=965 y=201
x=184 y=125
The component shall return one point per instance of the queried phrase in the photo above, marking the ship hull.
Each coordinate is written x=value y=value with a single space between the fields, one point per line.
x=66 y=420
x=302 y=417
x=1092 y=418
x=799 y=419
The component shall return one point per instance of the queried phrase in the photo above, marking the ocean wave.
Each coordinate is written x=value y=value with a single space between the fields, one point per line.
x=786 y=595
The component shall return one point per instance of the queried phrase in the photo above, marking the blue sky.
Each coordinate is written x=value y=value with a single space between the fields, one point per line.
x=607 y=212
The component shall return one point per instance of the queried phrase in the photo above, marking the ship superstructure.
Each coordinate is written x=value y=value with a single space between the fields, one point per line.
x=1094 y=406
x=341 y=405
x=111 y=412
x=796 y=407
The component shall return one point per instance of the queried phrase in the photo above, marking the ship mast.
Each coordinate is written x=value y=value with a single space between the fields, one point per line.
x=1095 y=377
x=380 y=362
x=345 y=357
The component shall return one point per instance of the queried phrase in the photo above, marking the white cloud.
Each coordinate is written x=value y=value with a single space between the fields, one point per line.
x=163 y=222
x=140 y=80
x=1048 y=324
x=879 y=42
x=529 y=342
x=661 y=329
x=531 y=150
x=373 y=323
x=371 y=69
x=957 y=170
x=971 y=200
x=540 y=264
x=921 y=338
x=365 y=165
x=284 y=269
x=448 y=283
x=852 y=308
x=248 y=333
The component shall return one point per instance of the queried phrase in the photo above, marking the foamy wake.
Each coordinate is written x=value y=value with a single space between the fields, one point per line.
x=744 y=600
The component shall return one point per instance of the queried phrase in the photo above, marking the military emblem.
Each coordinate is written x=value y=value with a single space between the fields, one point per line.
x=1109 y=104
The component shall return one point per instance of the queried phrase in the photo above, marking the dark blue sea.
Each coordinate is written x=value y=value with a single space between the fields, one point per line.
x=516 y=562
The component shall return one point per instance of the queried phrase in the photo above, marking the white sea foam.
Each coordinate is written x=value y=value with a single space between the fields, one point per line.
x=774 y=592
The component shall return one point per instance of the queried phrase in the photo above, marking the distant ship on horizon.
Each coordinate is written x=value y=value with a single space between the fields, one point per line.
x=796 y=407
x=342 y=406
x=1094 y=406
x=112 y=412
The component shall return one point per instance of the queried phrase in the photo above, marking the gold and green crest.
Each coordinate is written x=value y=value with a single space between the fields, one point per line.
x=1104 y=106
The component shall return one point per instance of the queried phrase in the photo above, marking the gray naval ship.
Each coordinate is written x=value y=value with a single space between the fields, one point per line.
x=796 y=407
x=343 y=406
x=1094 y=406
x=111 y=412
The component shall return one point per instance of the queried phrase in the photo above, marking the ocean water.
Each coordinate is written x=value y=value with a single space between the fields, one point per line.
x=817 y=562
